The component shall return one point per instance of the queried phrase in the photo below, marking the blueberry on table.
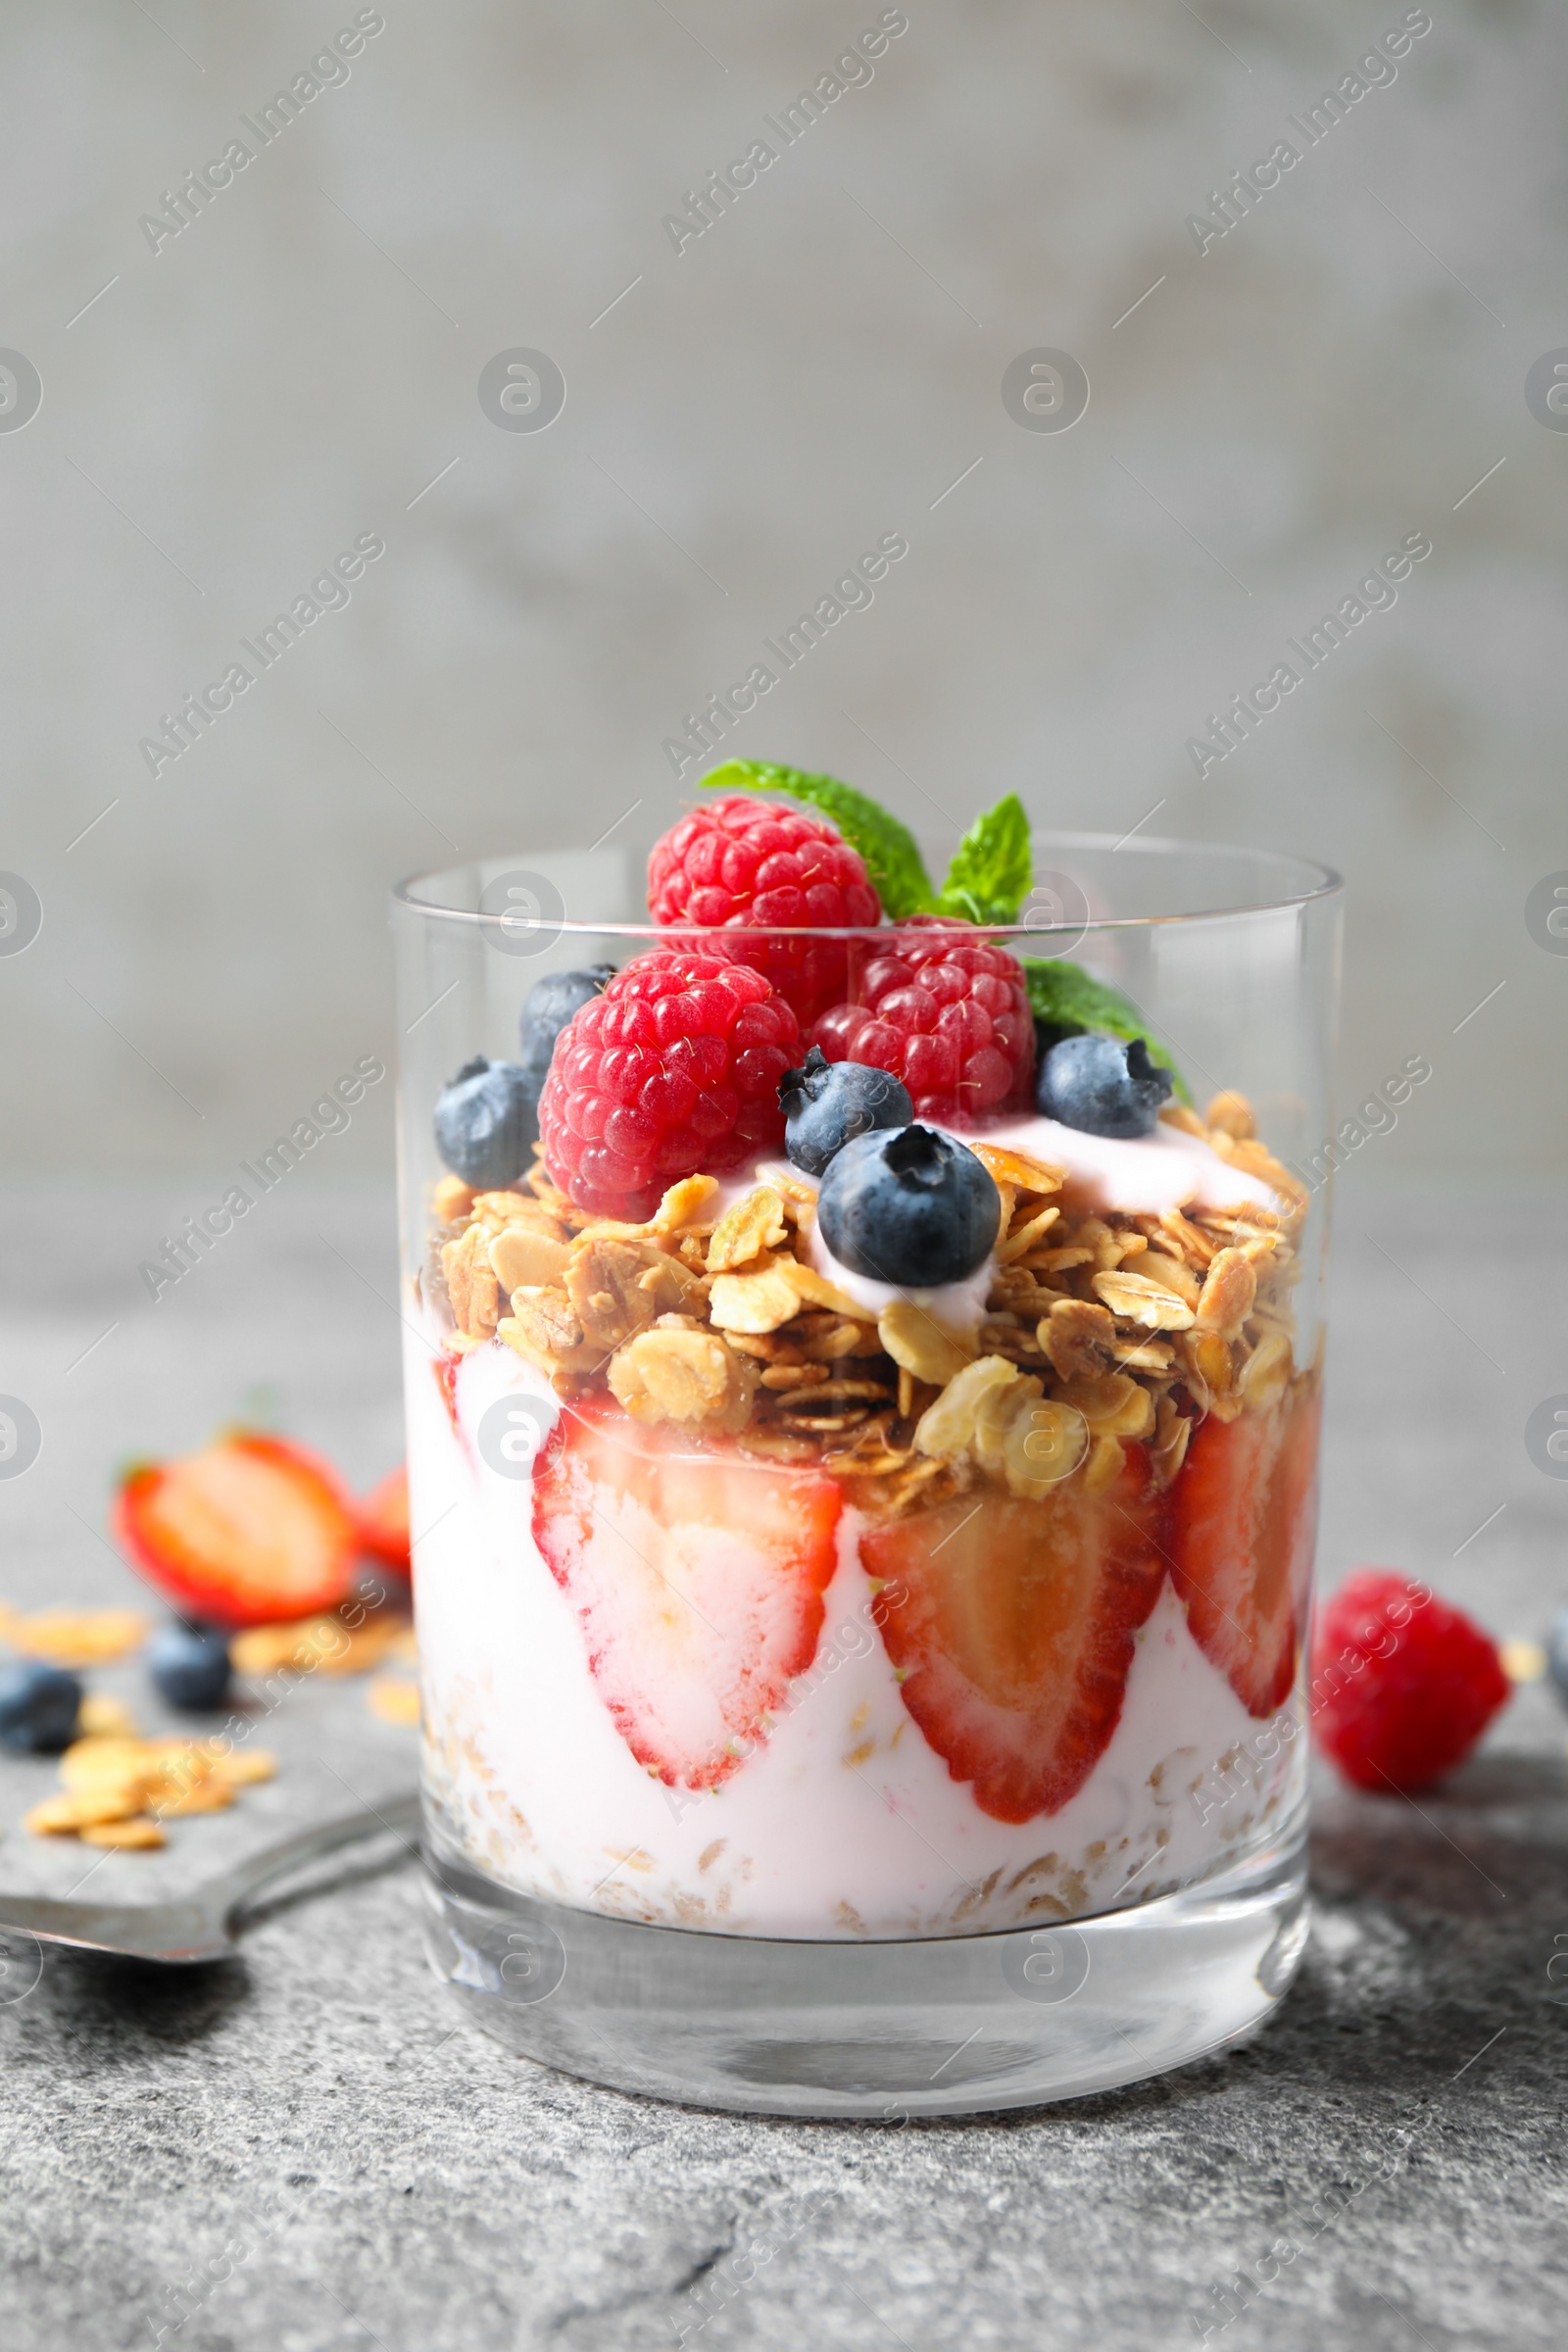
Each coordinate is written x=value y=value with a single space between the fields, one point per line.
x=910 y=1207
x=1103 y=1086
x=189 y=1665
x=825 y=1104
x=551 y=1003
x=38 y=1708
x=486 y=1123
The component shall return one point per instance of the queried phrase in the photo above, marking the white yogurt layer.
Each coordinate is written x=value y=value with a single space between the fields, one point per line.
x=843 y=1823
x=1139 y=1176
x=957 y=1305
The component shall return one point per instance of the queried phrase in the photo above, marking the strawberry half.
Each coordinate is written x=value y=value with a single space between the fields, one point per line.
x=383 y=1518
x=1246 y=1524
x=250 y=1530
x=698 y=1580
x=1012 y=1623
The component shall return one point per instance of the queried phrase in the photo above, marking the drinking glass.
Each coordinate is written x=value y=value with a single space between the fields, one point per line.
x=909 y=1747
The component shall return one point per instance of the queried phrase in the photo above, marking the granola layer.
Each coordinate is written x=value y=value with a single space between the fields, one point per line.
x=1100 y=1327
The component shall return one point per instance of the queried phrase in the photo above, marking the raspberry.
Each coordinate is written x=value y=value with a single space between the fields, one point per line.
x=740 y=863
x=947 y=1014
x=675 y=1067
x=1403 y=1685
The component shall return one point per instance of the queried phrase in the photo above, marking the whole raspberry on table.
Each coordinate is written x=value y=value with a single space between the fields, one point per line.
x=946 y=1012
x=1403 y=1685
x=674 y=1068
x=738 y=863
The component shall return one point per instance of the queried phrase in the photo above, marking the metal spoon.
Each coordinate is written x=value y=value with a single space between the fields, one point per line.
x=206 y=1925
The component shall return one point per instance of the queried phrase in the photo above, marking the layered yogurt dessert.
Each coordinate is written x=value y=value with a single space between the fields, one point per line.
x=863 y=1472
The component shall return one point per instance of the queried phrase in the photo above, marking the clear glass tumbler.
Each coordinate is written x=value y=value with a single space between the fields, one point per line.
x=858 y=1697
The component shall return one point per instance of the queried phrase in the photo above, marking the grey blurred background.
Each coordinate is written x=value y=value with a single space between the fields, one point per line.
x=299 y=365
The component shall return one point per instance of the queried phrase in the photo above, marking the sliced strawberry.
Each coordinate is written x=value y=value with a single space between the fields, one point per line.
x=444 y=1368
x=383 y=1518
x=1012 y=1623
x=250 y=1530
x=1245 y=1506
x=698 y=1580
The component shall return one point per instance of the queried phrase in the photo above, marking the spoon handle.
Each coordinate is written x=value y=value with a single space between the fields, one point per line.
x=222 y=1897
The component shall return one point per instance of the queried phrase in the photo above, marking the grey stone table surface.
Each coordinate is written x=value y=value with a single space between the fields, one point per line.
x=305 y=2148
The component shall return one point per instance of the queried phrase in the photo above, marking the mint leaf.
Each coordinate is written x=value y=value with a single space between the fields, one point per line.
x=892 y=860
x=1070 y=1000
x=989 y=877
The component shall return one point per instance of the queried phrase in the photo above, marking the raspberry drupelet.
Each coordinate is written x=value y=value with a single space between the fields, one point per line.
x=674 y=1068
x=948 y=1014
x=744 y=864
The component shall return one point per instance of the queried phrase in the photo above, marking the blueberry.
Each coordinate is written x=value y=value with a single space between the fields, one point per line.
x=825 y=1103
x=189 y=1665
x=551 y=1003
x=38 y=1708
x=1049 y=1033
x=535 y=1068
x=1103 y=1085
x=910 y=1206
x=487 y=1122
